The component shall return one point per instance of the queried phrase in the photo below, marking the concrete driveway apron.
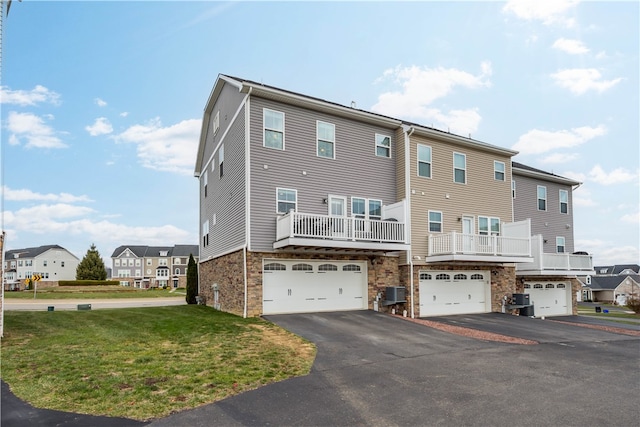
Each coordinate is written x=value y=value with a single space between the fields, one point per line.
x=374 y=369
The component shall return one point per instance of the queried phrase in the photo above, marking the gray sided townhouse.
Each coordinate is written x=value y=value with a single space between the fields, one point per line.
x=51 y=262
x=307 y=205
x=152 y=266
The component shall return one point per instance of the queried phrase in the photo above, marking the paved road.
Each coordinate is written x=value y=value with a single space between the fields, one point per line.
x=72 y=304
x=377 y=370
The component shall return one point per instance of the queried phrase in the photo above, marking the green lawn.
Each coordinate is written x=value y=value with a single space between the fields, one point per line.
x=94 y=292
x=144 y=363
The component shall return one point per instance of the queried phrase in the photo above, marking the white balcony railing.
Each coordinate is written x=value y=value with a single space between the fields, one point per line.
x=454 y=243
x=550 y=262
x=311 y=226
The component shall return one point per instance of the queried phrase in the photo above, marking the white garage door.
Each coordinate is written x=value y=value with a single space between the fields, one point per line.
x=454 y=292
x=303 y=286
x=549 y=298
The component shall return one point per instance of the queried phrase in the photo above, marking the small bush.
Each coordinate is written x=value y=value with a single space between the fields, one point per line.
x=633 y=303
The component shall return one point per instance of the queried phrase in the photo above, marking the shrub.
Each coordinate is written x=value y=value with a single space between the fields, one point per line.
x=88 y=283
x=633 y=303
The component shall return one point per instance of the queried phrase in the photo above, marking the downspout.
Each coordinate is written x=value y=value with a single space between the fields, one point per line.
x=247 y=202
x=407 y=191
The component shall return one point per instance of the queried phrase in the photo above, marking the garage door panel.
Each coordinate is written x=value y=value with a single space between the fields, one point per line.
x=443 y=293
x=549 y=298
x=327 y=286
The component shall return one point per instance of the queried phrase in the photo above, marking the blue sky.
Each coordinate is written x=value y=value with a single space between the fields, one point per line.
x=102 y=101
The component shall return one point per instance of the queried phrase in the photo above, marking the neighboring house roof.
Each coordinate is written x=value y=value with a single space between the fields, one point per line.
x=618 y=269
x=154 y=251
x=186 y=250
x=31 y=252
x=524 y=170
x=611 y=282
x=138 y=251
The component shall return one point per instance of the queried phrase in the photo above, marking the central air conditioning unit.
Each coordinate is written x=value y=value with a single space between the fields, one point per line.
x=521 y=299
x=395 y=295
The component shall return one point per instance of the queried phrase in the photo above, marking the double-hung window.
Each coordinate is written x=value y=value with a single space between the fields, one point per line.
x=286 y=200
x=460 y=168
x=424 y=161
x=273 y=129
x=205 y=182
x=564 y=201
x=513 y=188
x=542 y=198
x=221 y=160
x=326 y=140
x=205 y=237
x=435 y=222
x=383 y=145
x=560 y=244
x=366 y=208
x=498 y=171
x=488 y=226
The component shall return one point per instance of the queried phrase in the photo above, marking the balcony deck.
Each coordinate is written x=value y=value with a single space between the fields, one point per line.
x=456 y=246
x=554 y=264
x=325 y=231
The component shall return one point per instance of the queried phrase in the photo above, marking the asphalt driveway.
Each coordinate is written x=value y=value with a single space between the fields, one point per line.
x=374 y=369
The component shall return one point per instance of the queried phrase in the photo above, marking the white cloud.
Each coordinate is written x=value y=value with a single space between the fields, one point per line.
x=170 y=149
x=547 y=11
x=100 y=102
x=609 y=253
x=632 y=218
x=34 y=96
x=33 y=129
x=421 y=86
x=539 y=141
x=28 y=195
x=573 y=47
x=616 y=176
x=582 y=80
x=101 y=126
x=124 y=114
x=560 y=158
x=581 y=196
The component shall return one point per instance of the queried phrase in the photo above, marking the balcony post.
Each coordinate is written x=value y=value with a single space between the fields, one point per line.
x=291 y=227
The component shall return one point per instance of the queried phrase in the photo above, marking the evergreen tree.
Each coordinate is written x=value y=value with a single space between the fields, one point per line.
x=192 y=280
x=91 y=267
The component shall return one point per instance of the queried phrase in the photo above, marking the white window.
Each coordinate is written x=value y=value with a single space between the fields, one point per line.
x=177 y=271
x=383 y=145
x=459 y=168
x=366 y=208
x=435 y=222
x=498 y=171
x=205 y=234
x=424 y=161
x=564 y=201
x=44 y=263
x=138 y=272
x=560 y=244
x=216 y=122
x=513 y=189
x=286 y=200
x=221 y=160
x=116 y=263
x=176 y=261
x=326 y=140
x=542 y=198
x=488 y=225
x=138 y=262
x=130 y=262
x=162 y=262
x=162 y=273
x=273 y=129
x=205 y=182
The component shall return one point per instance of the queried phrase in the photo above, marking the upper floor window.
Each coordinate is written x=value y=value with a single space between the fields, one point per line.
x=459 y=168
x=383 y=145
x=221 y=160
x=498 y=171
x=162 y=261
x=488 y=226
x=28 y=263
x=560 y=244
x=326 y=139
x=205 y=236
x=205 y=182
x=44 y=263
x=116 y=262
x=273 y=129
x=424 y=161
x=542 y=198
x=366 y=208
x=564 y=201
x=286 y=200
x=138 y=262
x=216 y=122
x=149 y=259
x=513 y=188
x=435 y=222
x=176 y=261
x=61 y=263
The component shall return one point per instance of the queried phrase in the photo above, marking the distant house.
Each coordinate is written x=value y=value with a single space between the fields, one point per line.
x=612 y=283
x=152 y=266
x=52 y=262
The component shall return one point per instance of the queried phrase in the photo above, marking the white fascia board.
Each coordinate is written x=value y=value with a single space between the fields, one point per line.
x=460 y=140
x=544 y=176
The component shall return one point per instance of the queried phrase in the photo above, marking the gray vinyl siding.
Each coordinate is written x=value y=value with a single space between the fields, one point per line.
x=482 y=195
x=356 y=170
x=226 y=195
x=227 y=104
x=550 y=223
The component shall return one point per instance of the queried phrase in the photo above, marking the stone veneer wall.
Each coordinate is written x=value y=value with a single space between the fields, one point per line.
x=503 y=281
x=227 y=272
x=576 y=287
